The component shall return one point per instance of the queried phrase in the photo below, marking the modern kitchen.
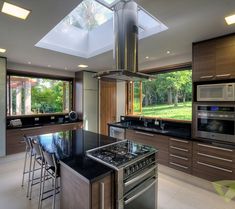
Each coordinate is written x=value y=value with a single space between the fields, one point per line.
x=117 y=104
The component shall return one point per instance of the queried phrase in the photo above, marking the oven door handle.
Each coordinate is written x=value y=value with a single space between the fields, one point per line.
x=140 y=176
x=139 y=193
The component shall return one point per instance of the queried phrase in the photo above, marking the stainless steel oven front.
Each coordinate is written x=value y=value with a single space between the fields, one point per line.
x=215 y=122
x=137 y=185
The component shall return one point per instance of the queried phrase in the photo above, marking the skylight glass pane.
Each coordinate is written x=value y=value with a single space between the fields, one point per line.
x=146 y=21
x=88 y=15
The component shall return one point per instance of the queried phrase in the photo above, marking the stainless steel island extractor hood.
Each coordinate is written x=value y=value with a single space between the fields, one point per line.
x=126 y=44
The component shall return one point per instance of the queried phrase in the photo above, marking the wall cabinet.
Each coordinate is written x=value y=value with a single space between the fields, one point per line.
x=212 y=162
x=14 y=137
x=214 y=59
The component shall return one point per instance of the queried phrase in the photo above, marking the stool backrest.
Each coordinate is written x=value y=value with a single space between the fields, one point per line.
x=50 y=158
x=37 y=147
x=28 y=142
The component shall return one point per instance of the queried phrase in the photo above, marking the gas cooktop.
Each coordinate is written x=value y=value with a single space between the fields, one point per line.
x=120 y=153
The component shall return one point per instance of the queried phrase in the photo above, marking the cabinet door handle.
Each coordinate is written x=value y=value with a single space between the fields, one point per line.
x=215 y=157
x=178 y=165
x=180 y=149
x=206 y=76
x=101 y=195
x=178 y=140
x=143 y=133
x=215 y=167
x=213 y=147
x=223 y=75
x=179 y=157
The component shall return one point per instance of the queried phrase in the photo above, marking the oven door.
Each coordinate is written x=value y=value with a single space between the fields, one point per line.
x=216 y=127
x=143 y=196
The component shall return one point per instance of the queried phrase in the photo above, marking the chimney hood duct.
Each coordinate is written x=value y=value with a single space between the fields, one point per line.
x=126 y=44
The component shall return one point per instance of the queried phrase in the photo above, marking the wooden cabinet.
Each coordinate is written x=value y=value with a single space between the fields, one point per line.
x=213 y=162
x=214 y=59
x=102 y=196
x=79 y=193
x=180 y=154
x=159 y=142
x=14 y=137
x=204 y=57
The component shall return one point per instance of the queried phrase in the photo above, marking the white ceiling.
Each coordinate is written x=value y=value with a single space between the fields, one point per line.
x=188 y=21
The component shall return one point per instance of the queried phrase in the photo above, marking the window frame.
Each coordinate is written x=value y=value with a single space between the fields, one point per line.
x=155 y=71
x=36 y=75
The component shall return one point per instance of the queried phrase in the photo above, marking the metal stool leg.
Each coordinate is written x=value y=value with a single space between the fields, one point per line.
x=25 y=162
x=40 y=187
x=33 y=170
x=30 y=170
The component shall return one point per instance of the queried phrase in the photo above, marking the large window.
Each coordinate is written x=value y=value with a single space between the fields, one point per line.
x=167 y=96
x=30 y=95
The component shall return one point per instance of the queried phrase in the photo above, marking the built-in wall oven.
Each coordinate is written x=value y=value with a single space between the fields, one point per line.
x=215 y=122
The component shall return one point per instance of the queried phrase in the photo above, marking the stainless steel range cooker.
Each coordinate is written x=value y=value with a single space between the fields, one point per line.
x=135 y=168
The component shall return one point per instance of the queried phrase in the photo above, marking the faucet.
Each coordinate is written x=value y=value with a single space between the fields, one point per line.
x=162 y=125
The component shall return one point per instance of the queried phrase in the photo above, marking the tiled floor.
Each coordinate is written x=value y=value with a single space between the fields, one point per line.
x=173 y=192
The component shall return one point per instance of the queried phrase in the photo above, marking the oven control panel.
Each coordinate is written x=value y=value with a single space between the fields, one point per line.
x=139 y=165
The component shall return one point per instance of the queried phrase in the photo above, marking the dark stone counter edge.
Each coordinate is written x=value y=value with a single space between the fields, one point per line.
x=41 y=124
x=208 y=141
x=88 y=180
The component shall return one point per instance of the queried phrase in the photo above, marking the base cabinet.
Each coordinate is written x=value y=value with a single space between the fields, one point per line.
x=180 y=154
x=213 y=163
x=14 y=137
x=79 y=193
x=159 y=142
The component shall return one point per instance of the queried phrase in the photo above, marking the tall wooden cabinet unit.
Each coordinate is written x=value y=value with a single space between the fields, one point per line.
x=3 y=106
x=108 y=104
x=87 y=100
x=214 y=59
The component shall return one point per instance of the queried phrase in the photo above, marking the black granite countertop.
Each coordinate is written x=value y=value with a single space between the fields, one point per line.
x=180 y=132
x=40 y=124
x=70 y=148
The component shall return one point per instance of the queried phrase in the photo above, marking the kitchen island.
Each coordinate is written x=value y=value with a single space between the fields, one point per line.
x=81 y=177
x=120 y=173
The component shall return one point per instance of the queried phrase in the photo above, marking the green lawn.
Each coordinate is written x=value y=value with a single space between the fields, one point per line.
x=183 y=111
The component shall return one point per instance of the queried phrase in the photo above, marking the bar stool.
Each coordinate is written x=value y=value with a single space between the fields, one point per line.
x=37 y=159
x=52 y=169
x=29 y=153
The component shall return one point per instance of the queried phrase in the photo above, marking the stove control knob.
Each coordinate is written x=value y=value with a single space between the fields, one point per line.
x=128 y=172
x=133 y=169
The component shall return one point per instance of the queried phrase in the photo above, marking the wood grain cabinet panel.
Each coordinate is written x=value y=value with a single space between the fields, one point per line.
x=204 y=60
x=225 y=58
x=213 y=162
x=14 y=137
x=214 y=59
x=159 y=142
x=180 y=154
x=102 y=195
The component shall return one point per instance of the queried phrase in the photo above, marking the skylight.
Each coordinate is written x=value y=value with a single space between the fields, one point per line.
x=88 y=15
x=81 y=32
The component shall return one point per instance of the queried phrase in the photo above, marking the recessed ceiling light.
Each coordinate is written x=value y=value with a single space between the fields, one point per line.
x=29 y=63
x=230 y=19
x=147 y=57
x=168 y=52
x=83 y=66
x=2 y=50
x=66 y=68
x=48 y=65
x=15 y=11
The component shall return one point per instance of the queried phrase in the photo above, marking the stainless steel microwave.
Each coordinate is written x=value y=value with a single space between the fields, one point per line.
x=216 y=92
